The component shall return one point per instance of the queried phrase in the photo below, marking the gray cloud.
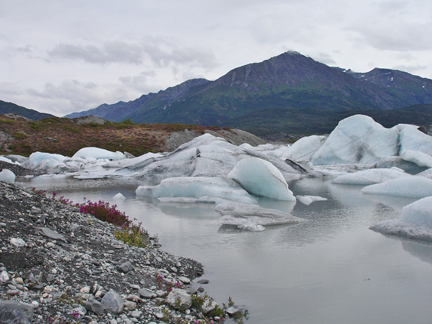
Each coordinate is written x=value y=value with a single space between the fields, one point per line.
x=325 y=58
x=73 y=95
x=109 y=52
x=160 y=52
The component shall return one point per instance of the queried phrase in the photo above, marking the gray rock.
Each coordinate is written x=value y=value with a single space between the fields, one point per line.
x=179 y=299
x=12 y=316
x=24 y=308
x=203 y=281
x=126 y=267
x=113 y=301
x=130 y=305
x=146 y=293
x=136 y=314
x=184 y=280
x=208 y=306
x=52 y=234
x=94 y=306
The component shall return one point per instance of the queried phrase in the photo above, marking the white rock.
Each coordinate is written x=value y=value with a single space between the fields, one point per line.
x=17 y=242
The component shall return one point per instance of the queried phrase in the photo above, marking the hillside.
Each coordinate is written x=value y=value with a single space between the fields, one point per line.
x=288 y=80
x=11 y=108
x=66 y=136
x=278 y=123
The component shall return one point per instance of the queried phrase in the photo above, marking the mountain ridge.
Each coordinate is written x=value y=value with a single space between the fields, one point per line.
x=288 y=80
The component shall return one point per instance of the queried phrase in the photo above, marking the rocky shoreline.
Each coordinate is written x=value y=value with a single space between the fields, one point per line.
x=58 y=265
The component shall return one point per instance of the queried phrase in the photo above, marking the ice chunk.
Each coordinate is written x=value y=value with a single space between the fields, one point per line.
x=357 y=139
x=415 y=221
x=398 y=162
x=205 y=156
x=417 y=157
x=253 y=217
x=98 y=153
x=408 y=230
x=197 y=187
x=119 y=196
x=419 y=212
x=307 y=200
x=304 y=148
x=7 y=175
x=413 y=186
x=413 y=139
x=127 y=163
x=261 y=178
x=4 y=159
x=37 y=157
x=371 y=176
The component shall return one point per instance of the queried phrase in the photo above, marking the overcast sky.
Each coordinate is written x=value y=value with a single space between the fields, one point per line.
x=62 y=56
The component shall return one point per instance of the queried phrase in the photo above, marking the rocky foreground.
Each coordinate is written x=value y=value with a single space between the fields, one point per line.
x=58 y=265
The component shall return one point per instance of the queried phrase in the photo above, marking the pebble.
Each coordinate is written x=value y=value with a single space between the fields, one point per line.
x=66 y=262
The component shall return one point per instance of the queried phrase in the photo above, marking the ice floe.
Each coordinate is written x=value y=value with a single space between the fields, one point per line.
x=197 y=187
x=307 y=200
x=371 y=176
x=415 y=221
x=413 y=186
x=253 y=217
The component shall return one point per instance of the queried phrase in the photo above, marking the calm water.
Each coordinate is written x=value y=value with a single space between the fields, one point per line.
x=331 y=269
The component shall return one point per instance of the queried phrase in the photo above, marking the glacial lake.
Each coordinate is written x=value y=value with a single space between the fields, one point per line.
x=331 y=269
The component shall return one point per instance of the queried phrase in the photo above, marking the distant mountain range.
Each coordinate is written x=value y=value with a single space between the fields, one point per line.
x=11 y=108
x=285 y=94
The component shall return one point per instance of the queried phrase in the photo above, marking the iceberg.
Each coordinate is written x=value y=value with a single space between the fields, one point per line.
x=411 y=139
x=357 y=140
x=98 y=153
x=204 y=156
x=371 y=176
x=415 y=221
x=197 y=187
x=37 y=157
x=417 y=157
x=253 y=217
x=261 y=178
x=412 y=186
x=126 y=163
x=7 y=175
x=304 y=148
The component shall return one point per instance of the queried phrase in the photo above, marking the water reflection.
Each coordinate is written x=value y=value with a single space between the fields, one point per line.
x=312 y=272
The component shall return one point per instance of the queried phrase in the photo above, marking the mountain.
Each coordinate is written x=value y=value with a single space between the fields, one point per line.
x=290 y=81
x=123 y=110
x=281 y=122
x=11 y=108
